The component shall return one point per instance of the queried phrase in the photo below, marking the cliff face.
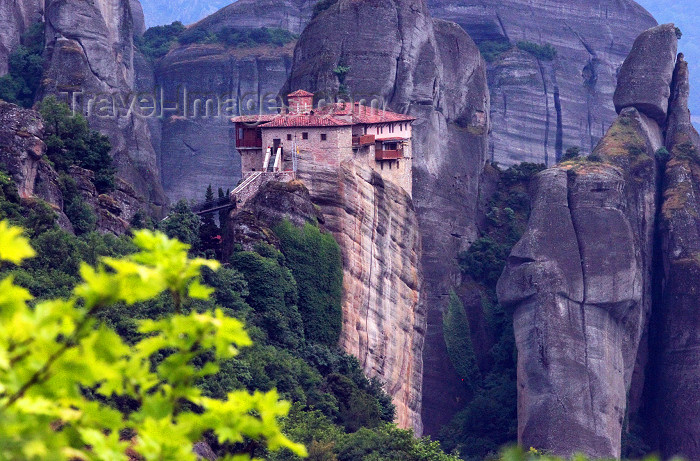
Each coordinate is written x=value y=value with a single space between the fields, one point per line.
x=91 y=55
x=15 y=17
x=581 y=327
x=292 y=15
x=429 y=68
x=580 y=301
x=198 y=150
x=540 y=108
x=675 y=331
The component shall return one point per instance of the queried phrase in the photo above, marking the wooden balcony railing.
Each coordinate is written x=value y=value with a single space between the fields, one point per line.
x=388 y=154
x=360 y=141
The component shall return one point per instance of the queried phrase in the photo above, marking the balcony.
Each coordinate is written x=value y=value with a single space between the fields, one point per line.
x=381 y=155
x=362 y=141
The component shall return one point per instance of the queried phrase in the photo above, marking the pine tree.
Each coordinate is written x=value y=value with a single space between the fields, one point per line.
x=209 y=233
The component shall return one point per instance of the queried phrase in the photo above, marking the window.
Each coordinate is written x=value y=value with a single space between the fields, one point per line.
x=240 y=133
x=391 y=128
x=364 y=130
x=380 y=130
x=305 y=135
x=323 y=136
x=289 y=137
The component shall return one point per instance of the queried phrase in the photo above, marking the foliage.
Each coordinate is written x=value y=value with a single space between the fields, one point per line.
x=209 y=232
x=662 y=155
x=26 y=67
x=544 y=52
x=52 y=353
x=70 y=141
x=491 y=50
x=272 y=295
x=157 y=41
x=572 y=153
x=315 y=261
x=79 y=213
x=679 y=33
x=238 y=37
x=459 y=342
x=182 y=224
x=484 y=261
x=518 y=454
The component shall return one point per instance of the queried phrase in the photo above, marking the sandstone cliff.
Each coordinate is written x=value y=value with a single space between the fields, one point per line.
x=377 y=230
x=399 y=55
x=581 y=327
x=674 y=381
x=90 y=51
x=539 y=107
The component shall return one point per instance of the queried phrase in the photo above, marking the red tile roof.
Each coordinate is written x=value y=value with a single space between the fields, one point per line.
x=338 y=114
x=254 y=119
x=301 y=120
x=300 y=94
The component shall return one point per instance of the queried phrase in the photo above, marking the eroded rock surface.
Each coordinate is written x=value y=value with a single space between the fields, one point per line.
x=22 y=155
x=90 y=51
x=581 y=281
x=292 y=15
x=645 y=77
x=580 y=285
x=675 y=380
x=432 y=70
x=539 y=107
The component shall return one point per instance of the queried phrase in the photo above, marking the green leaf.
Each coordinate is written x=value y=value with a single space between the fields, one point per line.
x=13 y=246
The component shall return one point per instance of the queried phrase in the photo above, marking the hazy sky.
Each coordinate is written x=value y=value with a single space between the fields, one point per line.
x=686 y=15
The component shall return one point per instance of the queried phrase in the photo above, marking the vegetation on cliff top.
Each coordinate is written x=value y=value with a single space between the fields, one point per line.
x=159 y=40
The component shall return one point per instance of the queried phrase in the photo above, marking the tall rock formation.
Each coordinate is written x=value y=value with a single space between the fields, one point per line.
x=90 y=56
x=16 y=16
x=540 y=107
x=674 y=382
x=398 y=55
x=580 y=282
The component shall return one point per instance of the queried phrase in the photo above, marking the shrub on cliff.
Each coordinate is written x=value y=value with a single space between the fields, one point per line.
x=492 y=50
x=315 y=261
x=70 y=141
x=544 y=52
x=157 y=41
x=26 y=67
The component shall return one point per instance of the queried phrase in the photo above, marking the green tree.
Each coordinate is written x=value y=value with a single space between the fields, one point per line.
x=459 y=342
x=26 y=67
x=182 y=224
x=157 y=41
x=52 y=353
x=209 y=232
